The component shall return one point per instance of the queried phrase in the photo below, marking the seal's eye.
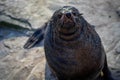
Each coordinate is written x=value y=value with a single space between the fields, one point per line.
x=75 y=14
x=59 y=16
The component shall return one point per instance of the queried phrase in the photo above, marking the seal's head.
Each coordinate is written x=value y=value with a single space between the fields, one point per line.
x=66 y=17
x=66 y=21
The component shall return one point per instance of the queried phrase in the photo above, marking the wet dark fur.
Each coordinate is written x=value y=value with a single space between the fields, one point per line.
x=76 y=55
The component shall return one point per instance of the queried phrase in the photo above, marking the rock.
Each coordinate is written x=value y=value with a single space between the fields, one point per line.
x=3 y=50
x=18 y=16
x=118 y=50
x=27 y=14
x=118 y=11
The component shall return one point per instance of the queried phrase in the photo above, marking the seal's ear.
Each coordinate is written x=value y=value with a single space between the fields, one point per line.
x=81 y=14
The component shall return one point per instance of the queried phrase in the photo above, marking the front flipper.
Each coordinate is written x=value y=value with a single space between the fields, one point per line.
x=36 y=37
x=106 y=72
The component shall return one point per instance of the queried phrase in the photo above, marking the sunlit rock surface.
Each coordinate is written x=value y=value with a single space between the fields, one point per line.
x=19 y=18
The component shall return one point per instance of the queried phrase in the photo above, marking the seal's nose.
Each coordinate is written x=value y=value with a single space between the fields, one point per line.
x=68 y=15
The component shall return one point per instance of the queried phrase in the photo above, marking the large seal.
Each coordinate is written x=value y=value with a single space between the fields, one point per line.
x=73 y=49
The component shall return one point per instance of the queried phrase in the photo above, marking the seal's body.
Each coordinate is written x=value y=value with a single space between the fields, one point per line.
x=73 y=49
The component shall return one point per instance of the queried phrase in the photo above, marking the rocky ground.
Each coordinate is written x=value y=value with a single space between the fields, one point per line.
x=19 y=19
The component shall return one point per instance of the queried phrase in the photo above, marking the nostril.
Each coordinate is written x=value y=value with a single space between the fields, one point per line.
x=68 y=15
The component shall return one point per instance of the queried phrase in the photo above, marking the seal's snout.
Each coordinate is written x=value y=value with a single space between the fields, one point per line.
x=66 y=20
x=68 y=15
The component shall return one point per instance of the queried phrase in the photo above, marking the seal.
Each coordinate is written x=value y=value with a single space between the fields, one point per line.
x=73 y=49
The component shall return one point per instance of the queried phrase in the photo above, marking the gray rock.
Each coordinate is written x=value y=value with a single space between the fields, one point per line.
x=28 y=14
x=3 y=50
x=118 y=11
x=17 y=63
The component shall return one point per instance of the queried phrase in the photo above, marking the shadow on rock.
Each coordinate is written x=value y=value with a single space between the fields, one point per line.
x=48 y=74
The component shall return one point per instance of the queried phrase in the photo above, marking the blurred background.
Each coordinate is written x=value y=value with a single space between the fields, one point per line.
x=19 y=19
